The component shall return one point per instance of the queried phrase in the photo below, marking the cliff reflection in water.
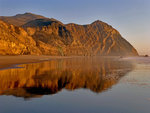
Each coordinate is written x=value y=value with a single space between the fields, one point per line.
x=35 y=80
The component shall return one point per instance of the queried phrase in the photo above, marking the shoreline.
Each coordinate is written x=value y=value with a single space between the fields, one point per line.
x=7 y=62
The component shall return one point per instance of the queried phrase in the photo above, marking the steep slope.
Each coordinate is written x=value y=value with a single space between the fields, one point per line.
x=100 y=38
x=52 y=37
x=15 y=41
x=97 y=38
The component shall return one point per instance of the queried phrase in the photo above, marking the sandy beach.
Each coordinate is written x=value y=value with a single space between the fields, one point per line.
x=9 y=61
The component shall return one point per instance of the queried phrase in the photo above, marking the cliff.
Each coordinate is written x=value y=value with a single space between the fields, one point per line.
x=41 y=35
x=15 y=41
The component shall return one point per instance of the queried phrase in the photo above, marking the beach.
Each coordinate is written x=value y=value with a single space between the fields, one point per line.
x=10 y=61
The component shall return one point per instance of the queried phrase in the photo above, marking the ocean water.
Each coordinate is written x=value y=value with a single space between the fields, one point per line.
x=77 y=85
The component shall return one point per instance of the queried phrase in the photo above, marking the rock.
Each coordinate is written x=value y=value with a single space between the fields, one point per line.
x=40 y=35
x=146 y=56
x=16 y=41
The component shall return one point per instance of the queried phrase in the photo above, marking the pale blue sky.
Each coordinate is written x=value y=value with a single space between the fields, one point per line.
x=130 y=17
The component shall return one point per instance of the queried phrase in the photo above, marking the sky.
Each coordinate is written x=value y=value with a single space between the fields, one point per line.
x=130 y=17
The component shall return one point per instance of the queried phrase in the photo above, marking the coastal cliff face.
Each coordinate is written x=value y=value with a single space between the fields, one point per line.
x=35 y=34
x=15 y=41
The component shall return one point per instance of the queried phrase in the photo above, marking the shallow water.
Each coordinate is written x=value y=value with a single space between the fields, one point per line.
x=77 y=85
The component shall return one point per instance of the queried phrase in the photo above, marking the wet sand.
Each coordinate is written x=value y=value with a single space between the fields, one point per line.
x=10 y=61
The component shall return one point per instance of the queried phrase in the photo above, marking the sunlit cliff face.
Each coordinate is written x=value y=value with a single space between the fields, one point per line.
x=35 y=80
x=37 y=35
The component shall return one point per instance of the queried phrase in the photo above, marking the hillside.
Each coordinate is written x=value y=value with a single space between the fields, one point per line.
x=52 y=37
x=15 y=41
x=20 y=19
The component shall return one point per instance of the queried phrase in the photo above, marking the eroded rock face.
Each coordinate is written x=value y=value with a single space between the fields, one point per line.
x=51 y=37
x=100 y=38
x=16 y=41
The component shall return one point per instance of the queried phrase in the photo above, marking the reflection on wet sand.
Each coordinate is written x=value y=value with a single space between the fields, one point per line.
x=34 y=80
